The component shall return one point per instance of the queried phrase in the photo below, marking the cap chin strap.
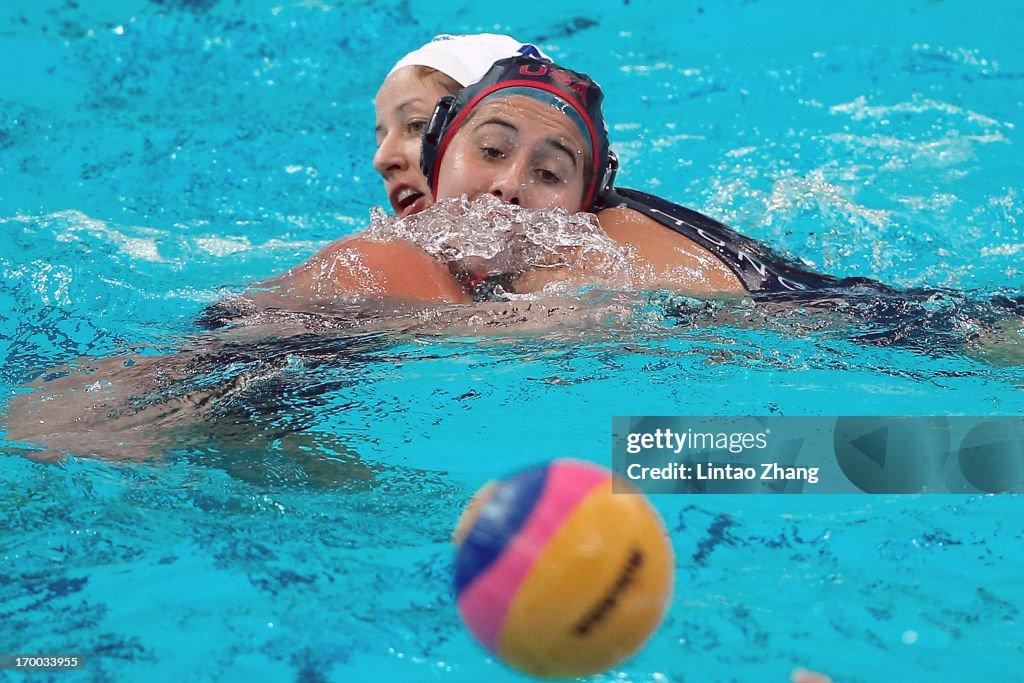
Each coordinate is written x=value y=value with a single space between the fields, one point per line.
x=431 y=144
x=605 y=185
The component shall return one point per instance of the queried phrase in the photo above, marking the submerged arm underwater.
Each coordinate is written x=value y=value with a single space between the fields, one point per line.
x=137 y=407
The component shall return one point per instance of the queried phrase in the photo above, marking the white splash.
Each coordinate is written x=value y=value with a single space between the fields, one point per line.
x=223 y=246
x=489 y=236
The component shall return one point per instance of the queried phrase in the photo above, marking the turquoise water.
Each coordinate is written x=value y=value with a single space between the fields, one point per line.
x=155 y=155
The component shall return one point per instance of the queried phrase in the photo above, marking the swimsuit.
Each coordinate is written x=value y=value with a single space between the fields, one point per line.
x=491 y=287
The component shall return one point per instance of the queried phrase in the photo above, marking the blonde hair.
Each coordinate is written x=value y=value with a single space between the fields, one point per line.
x=438 y=78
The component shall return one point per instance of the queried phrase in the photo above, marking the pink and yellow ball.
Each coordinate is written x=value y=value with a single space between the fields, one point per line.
x=557 y=575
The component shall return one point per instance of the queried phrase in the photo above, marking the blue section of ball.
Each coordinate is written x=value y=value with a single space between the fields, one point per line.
x=500 y=519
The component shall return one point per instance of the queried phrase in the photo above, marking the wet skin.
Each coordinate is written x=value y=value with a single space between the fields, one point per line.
x=403 y=107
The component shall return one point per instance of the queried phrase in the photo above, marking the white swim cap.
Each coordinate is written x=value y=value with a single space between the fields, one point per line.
x=466 y=58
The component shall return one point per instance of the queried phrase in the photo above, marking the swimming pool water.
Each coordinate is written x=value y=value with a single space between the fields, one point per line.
x=155 y=155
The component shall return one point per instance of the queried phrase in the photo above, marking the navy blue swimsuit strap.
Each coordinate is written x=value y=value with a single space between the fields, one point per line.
x=758 y=267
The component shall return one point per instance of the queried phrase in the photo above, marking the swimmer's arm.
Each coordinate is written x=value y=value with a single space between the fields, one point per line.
x=98 y=407
x=668 y=260
x=359 y=267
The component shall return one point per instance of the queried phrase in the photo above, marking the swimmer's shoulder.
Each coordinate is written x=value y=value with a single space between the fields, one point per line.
x=674 y=260
x=673 y=235
x=357 y=265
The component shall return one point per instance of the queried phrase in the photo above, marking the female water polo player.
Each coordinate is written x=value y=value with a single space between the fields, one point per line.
x=696 y=254
x=681 y=248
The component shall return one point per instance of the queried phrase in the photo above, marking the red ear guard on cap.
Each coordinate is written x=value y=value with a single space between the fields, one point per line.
x=576 y=89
